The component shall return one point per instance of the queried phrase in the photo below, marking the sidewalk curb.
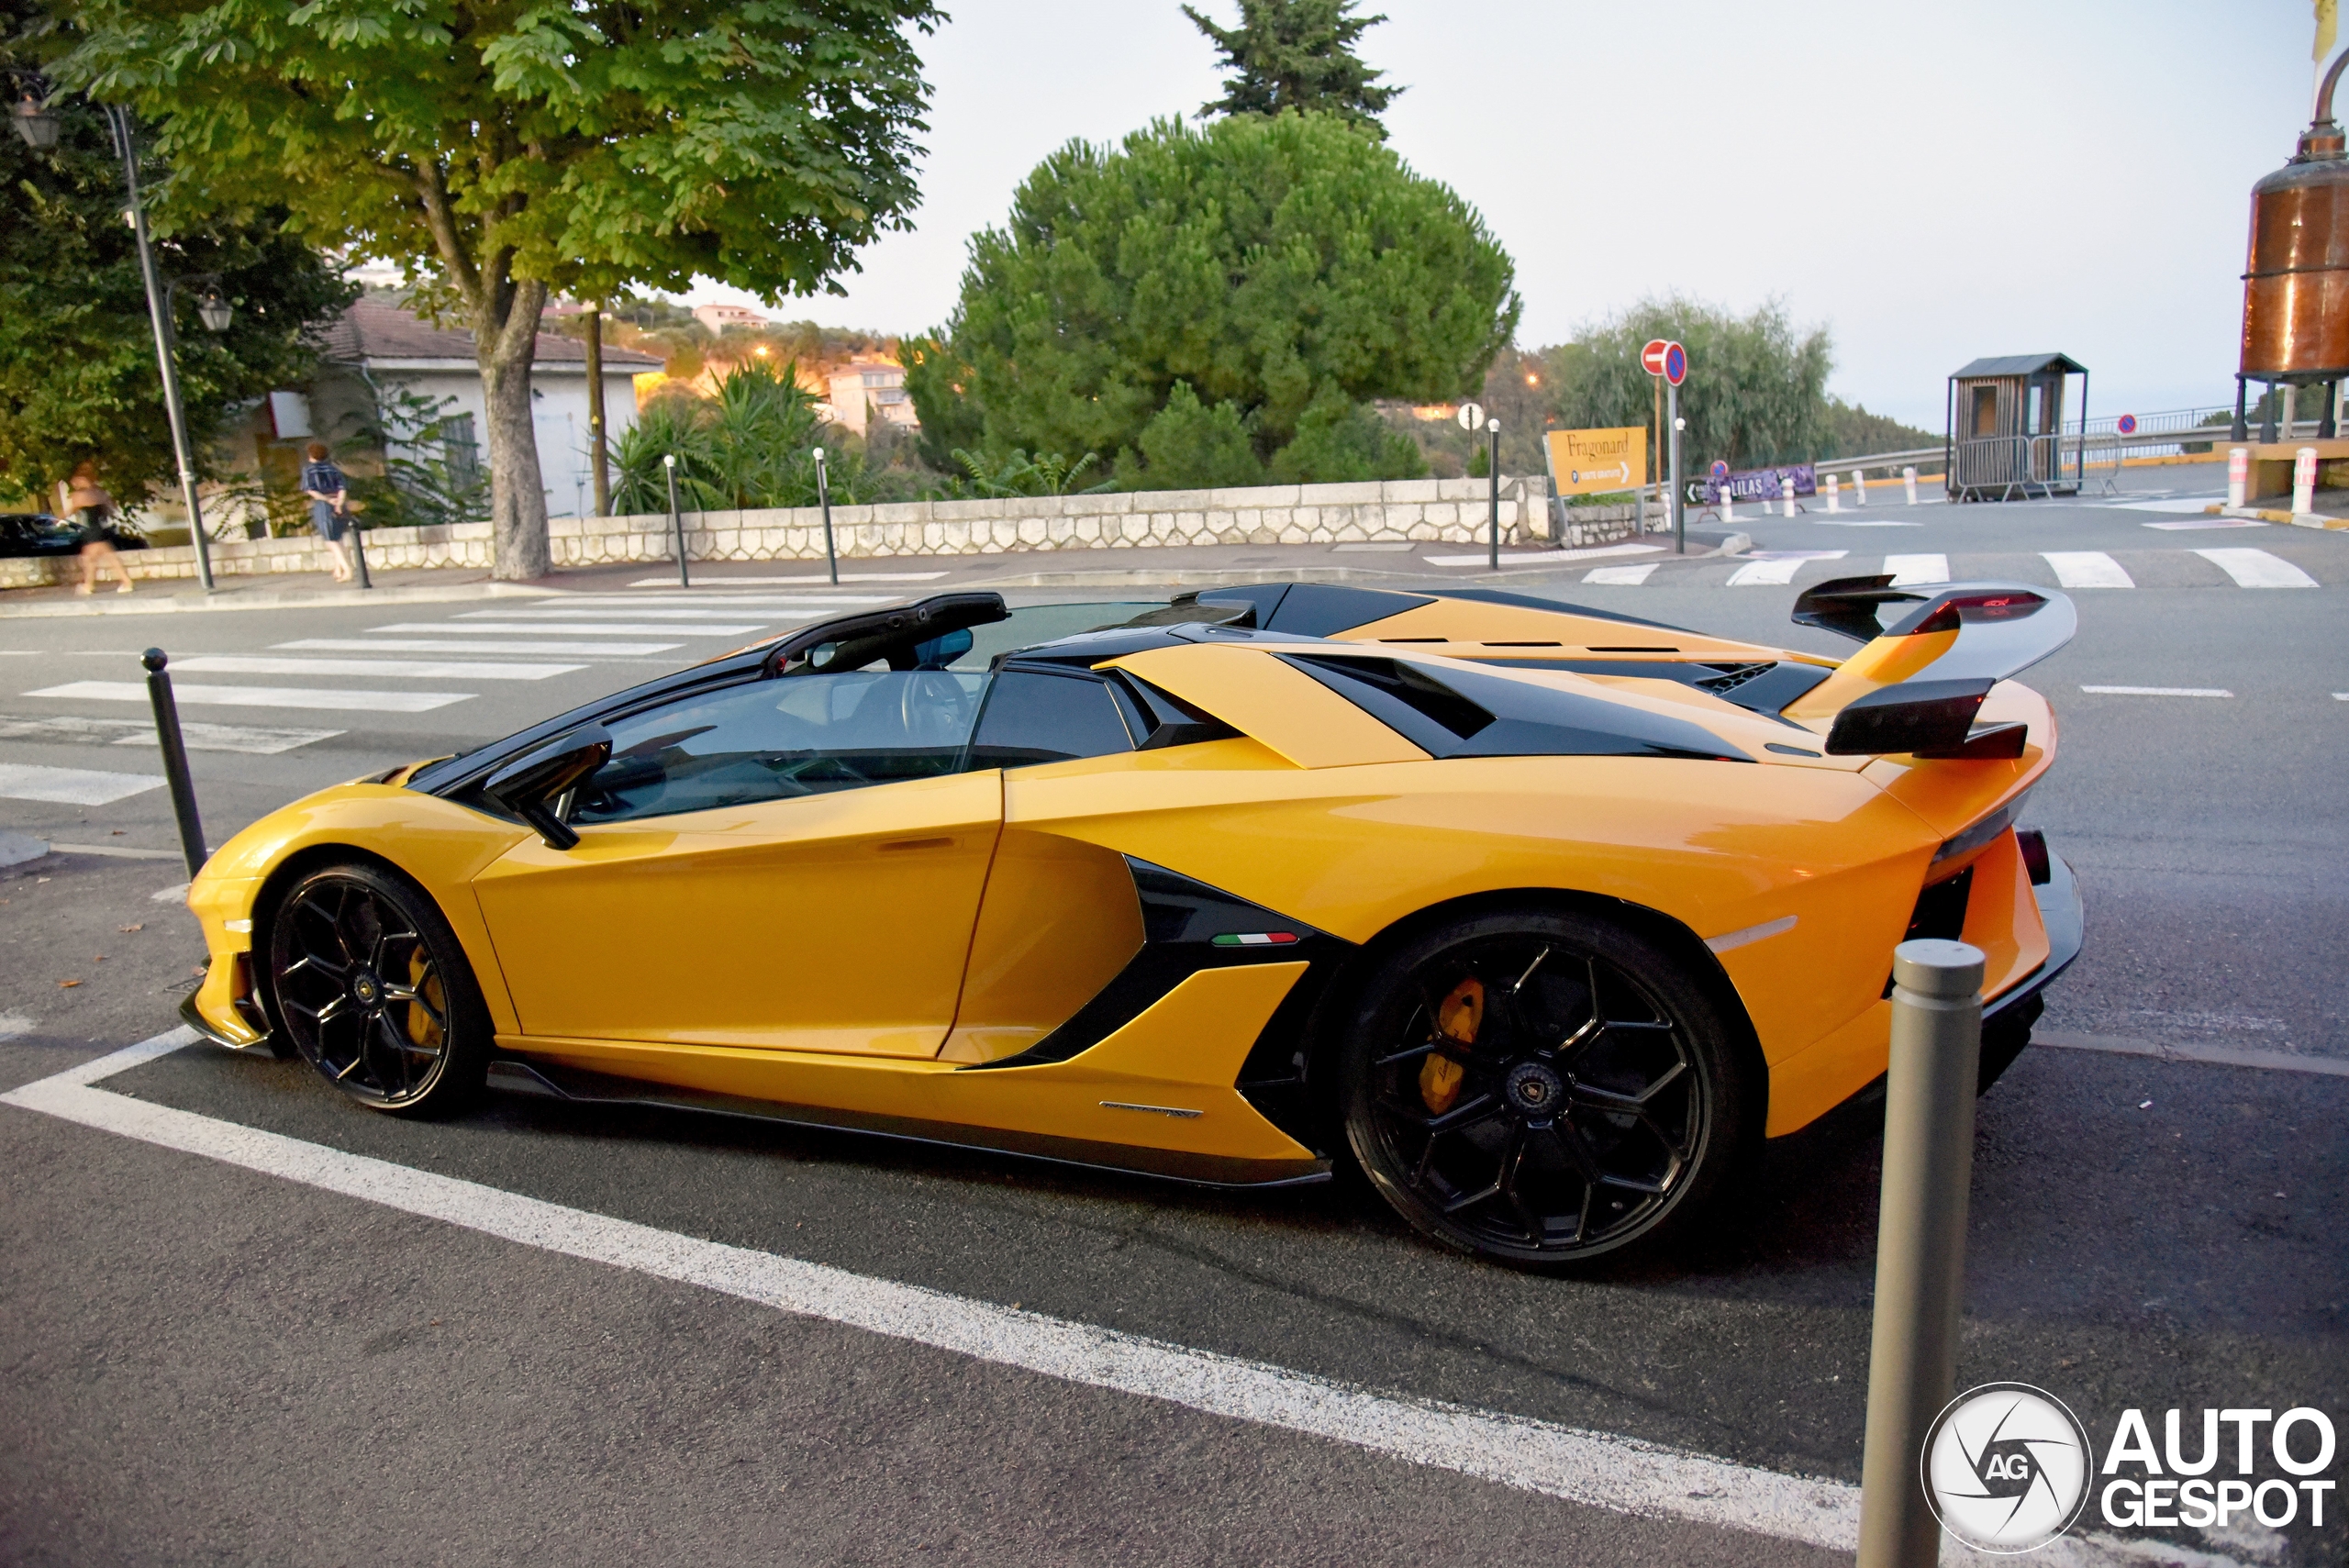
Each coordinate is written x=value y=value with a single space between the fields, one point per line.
x=298 y=599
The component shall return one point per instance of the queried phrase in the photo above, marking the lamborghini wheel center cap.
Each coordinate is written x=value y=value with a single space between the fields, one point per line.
x=1535 y=1091
x=365 y=990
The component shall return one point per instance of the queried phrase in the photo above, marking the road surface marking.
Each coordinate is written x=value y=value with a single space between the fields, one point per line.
x=1529 y=556
x=71 y=786
x=2209 y=523
x=1908 y=568
x=2211 y=1055
x=1776 y=568
x=2086 y=569
x=1622 y=577
x=473 y=645
x=628 y=603
x=117 y=852
x=671 y=582
x=72 y=729
x=646 y=613
x=1388 y=547
x=574 y=629
x=14 y=1024
x=175 y=894
x=388 y=669
x=2159 y=691
x=2258 y=569
x=1597 y=1470
x=2173 y=504
x=263 y=696
x=1862 y=523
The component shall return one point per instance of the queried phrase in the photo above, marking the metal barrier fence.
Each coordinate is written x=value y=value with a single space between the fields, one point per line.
x=2008 y=466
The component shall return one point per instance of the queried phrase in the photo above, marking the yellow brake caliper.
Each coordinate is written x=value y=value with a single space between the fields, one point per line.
x=1457 y=1019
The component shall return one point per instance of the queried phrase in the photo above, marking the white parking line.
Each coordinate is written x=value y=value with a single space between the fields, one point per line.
x=257 y=740
x=653 y=613
x=71 y=786
x=573 y=628
x=1908 y=568
x=2258 y=569
x=2159 y=691
x=474 y=645
x=1774 y=568
x=2086 y=569
x=2206 y=523
x=1531 y=557
x=1598 y=1470
x=389 y=669
x=263 y=696
x=1621 y=576
x=629 y=604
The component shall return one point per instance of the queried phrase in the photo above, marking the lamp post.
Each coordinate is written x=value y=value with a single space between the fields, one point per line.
x=1493 y=511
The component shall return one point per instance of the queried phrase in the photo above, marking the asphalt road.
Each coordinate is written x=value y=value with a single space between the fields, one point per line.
x=210 y=1364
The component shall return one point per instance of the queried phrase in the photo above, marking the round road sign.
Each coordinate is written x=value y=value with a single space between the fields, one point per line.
x=1652 y=356
x=1676 y=363
x=1472 y=416
x=1720 y=469
x=2128 y=426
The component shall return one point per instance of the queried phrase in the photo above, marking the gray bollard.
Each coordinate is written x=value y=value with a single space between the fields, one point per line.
x=676 y=518
x=167 y=734
x=359 y=554
x=1921 y=1240
x=824 y=499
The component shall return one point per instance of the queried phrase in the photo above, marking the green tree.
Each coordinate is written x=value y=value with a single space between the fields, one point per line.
x=1297 y=54
x=1756 y=391
x=750 y=446
x=1282 y=270
x=78 y=379
x=500 y=150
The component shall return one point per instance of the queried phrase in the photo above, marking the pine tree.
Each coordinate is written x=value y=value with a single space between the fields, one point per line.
x=1298 y=54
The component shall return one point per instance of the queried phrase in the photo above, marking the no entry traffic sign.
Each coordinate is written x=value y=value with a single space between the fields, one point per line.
x=1652 y=357
x=1664 y=357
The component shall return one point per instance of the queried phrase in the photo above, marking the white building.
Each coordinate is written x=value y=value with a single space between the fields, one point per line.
x=378 y=345
x=871 y=387
x=718 y=318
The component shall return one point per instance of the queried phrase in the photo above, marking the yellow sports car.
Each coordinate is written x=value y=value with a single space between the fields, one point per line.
x=1544 y=915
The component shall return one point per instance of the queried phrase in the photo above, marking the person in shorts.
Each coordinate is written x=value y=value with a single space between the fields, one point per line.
x=91 y=509
x=329 y=496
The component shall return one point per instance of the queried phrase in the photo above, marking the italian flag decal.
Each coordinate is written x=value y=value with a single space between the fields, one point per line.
x=1256 y=940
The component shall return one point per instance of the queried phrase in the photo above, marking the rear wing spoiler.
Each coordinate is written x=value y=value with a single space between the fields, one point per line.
x=1919 y=682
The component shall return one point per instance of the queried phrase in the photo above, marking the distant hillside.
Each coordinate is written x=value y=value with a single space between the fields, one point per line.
x=1853 y=431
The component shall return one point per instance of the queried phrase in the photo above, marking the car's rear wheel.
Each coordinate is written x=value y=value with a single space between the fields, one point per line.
x=1541 y=1088
x=374 y=991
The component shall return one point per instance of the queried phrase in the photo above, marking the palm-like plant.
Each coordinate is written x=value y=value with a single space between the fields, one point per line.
x=1046 y=474
x=752 y=446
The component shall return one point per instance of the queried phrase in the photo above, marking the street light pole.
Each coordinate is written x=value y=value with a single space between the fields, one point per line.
x=158 y=309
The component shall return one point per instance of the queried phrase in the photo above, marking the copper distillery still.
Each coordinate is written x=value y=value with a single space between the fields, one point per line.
x=2296 y=288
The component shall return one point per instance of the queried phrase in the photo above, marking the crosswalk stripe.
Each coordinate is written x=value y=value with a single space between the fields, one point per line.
x=812 y=577
x=72 y=729
x=1551 y=557
x=389 y=669
x=629 y=611
x=1621 y=576
x=572 y=628
x=2258 y=569
x=263 y=696
x=1908 y=568
x=2086 y=569
x=1777 y=567
x=2159 y=691
x=630 y=603
x=70 y=787
x=474 y=645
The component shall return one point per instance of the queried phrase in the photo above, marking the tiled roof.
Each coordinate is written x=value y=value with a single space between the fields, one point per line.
x=376 y=329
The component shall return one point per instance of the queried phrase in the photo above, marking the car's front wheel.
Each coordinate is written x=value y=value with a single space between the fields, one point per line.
x=1541 y=1088
x=372 y=989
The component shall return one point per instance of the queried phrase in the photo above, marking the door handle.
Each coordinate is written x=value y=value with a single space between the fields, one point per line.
x=894 y=845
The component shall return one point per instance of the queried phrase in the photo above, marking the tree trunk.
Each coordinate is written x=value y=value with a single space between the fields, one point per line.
x=518 y=497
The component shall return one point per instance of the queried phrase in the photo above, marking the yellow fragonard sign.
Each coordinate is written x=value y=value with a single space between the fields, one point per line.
x=1590 y=462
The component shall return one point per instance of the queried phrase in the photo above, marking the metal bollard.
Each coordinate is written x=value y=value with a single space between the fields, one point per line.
x=167 y=735
x=2304 y=482
x=359 y=554
x=1921 y=1240
x=1834 y=495
x=676 y=518
x=2238 y=476
x=1859 y=488
x=824 y=499
x=1908 y=481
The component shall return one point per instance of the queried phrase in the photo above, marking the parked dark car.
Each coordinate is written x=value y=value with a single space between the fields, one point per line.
x=38 y=533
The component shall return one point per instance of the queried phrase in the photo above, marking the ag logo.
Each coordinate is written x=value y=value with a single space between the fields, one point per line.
x=2006 y=1467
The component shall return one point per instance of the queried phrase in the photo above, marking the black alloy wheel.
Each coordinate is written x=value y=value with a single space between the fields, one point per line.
x=1541 y=1088
x=372 y=989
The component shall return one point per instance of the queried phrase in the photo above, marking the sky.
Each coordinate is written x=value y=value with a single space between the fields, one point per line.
x=1931 y=182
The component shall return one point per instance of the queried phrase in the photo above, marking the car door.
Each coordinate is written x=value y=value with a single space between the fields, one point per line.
x=792 y=863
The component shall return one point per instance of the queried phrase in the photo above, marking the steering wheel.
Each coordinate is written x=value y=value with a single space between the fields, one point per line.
x=934 y=709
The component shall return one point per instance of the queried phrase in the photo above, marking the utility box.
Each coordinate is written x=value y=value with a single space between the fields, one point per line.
x=2006 y=428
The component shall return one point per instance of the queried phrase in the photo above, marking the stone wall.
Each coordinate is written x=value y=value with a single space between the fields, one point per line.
x=1428 y=511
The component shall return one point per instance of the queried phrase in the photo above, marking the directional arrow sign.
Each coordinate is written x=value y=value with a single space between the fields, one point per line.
x=1652 y=357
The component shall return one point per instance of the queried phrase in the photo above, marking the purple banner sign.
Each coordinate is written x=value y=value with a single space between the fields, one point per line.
x=1764 y=483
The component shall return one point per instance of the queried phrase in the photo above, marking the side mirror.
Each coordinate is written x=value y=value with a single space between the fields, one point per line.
x=529 y=786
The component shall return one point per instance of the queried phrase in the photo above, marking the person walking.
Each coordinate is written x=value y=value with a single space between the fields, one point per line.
x=87 y=503
x=329 y=496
